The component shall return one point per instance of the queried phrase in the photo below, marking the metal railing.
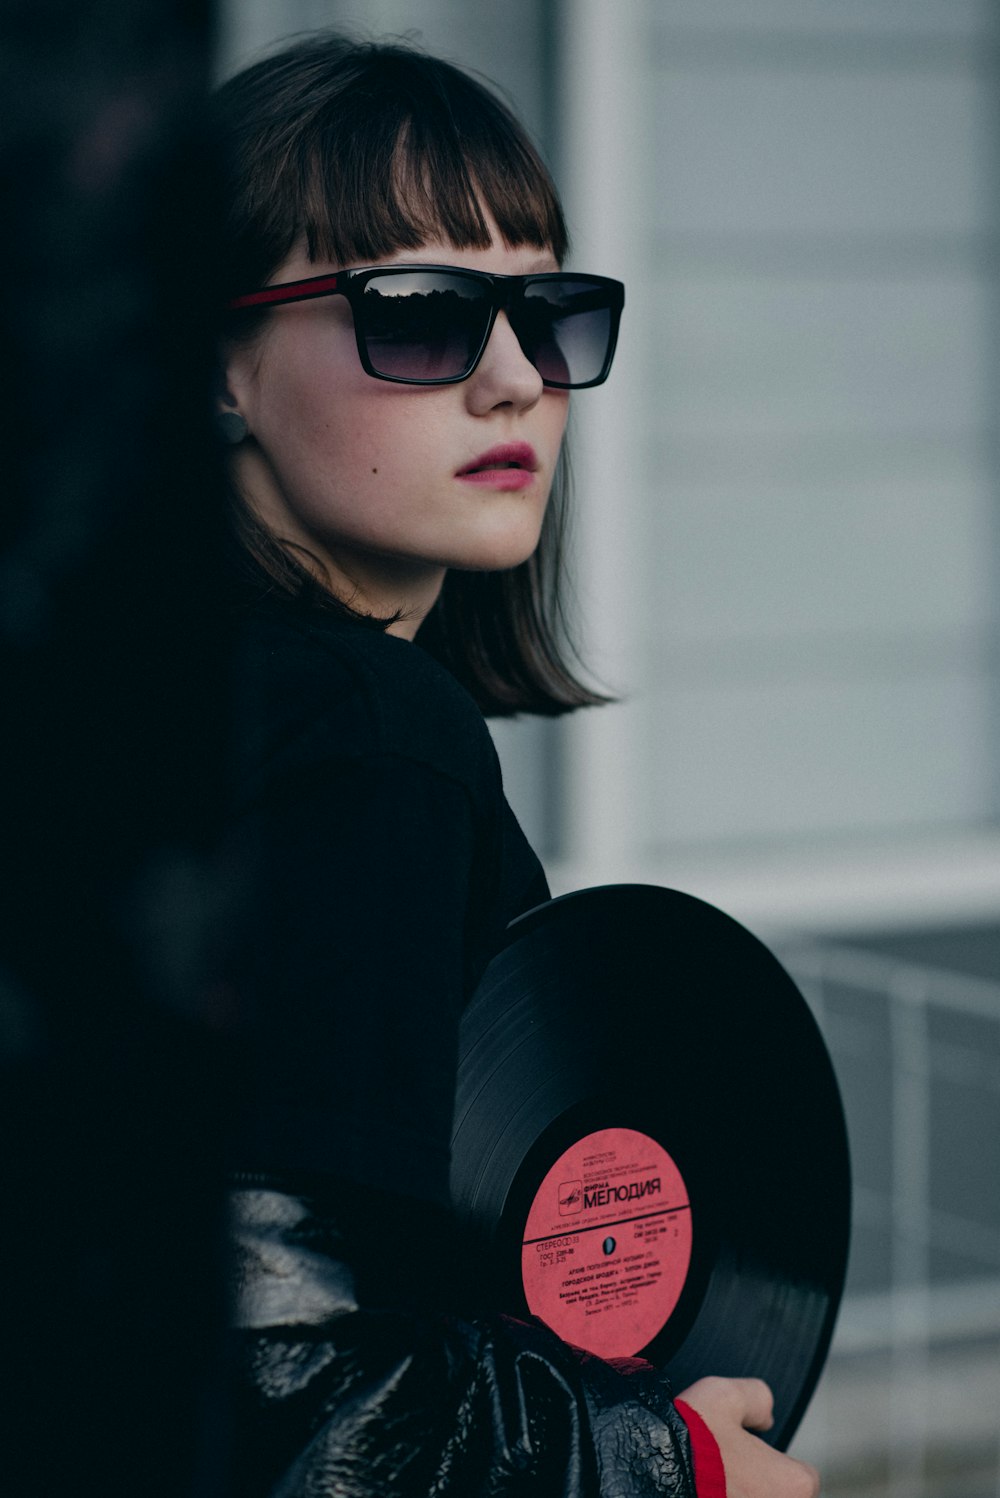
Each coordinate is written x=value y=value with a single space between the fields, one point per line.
x=909 y=1406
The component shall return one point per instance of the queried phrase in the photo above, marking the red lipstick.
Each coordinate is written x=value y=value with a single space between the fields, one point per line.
x=509 y=465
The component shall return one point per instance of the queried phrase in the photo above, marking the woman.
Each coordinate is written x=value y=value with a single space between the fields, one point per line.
x=399 y=347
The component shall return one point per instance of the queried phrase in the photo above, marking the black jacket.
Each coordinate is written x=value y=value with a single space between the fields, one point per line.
x=386 y=865
x=341 y=1399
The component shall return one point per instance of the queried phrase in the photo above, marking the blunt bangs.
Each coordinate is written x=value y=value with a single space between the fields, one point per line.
x=364 y=150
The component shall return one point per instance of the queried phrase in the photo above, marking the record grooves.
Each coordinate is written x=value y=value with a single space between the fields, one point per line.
x=649 y=1149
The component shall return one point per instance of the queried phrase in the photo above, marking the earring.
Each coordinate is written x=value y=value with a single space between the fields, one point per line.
x=231 y=426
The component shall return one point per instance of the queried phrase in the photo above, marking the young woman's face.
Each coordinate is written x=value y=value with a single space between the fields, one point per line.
x=374 y=478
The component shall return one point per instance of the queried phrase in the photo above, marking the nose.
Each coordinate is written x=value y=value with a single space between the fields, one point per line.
x=503 y=376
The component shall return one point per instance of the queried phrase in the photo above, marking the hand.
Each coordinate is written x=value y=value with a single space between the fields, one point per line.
x=732 y=1408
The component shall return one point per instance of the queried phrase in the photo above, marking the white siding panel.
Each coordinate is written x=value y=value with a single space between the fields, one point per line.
x=798 y=565
x=791 y=151
x=801 y=356
x=800 y=759
x=899 y=19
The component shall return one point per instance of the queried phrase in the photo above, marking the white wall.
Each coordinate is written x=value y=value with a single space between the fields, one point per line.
x=811 y=224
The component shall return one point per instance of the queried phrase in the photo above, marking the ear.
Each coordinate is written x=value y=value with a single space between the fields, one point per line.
x=226 y=383
x=230 y=423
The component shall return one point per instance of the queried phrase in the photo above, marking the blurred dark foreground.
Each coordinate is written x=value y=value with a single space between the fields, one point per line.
x=115 y=1072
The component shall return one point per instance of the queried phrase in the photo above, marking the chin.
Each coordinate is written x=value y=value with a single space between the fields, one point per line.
x=496 y=559
x=498 y=553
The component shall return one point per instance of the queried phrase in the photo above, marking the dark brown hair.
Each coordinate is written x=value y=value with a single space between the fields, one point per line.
x=363 y=149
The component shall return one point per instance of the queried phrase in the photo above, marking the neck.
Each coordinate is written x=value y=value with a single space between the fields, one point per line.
x=385 y=586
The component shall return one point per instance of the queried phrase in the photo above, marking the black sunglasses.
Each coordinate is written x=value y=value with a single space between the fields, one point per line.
x=429 y=324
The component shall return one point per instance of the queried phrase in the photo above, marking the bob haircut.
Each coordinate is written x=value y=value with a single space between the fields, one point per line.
x=360 y=150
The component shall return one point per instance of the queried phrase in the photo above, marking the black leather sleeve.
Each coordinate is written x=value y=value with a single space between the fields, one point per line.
x=339 y=1398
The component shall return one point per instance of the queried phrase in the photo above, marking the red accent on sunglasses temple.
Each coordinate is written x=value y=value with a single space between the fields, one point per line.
x=290 y=291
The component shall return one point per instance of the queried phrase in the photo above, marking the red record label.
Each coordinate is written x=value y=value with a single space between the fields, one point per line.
x=607 y=1244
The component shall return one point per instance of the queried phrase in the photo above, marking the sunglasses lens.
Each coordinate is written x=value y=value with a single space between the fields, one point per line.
x=566 y=327
x=422 y=325
x=428 y=325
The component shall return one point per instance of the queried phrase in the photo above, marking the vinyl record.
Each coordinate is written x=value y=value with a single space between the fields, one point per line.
x=649 y=1148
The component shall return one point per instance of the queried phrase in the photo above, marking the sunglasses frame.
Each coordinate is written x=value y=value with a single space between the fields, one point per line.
x=505 y=294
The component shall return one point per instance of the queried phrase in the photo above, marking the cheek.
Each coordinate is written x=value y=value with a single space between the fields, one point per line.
x=312 y=385
x=377 y=441
x=311 y=418
x=553 y=417
x=353 y=456
x=301 y=371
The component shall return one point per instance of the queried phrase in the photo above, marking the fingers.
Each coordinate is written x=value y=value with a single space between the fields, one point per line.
x=732 y=1408
x=748 y=1401
x=810 y=1478
x=758 y=1403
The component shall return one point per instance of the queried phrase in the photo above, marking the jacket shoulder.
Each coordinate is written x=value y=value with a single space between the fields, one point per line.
x=315 y=690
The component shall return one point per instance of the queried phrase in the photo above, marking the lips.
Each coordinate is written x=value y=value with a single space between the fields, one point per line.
x=505 y=457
